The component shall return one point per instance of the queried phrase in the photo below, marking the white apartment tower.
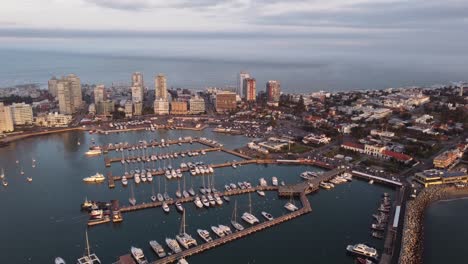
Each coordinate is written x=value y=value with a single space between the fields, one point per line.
x=137 y=87
x=240 y=88
x=99 y=94
x=22 y=114
x=160 y=88
x=6 y=119
x=69 y=94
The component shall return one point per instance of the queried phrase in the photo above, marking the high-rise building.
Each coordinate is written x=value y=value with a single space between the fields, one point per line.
x=138 y=89
x=250 y=90
x=6 y=119
x=273 y=90
x=128 y=108
x=160 y=88
x=197 y=105
x=22 y=114
x=99 y=94
x=179 y=108
x=240 y=88
x=69 y=94
x=53 y=86
x=161 y=107
x=105 y=107
x=225 y=101
x=137 y=108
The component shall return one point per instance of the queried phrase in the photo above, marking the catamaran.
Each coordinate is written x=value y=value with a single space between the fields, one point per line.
x=88 y=258
x=183 y=238
x=248 y=216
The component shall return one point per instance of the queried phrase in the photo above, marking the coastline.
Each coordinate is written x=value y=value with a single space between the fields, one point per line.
x=413 y=229
x=10 y=139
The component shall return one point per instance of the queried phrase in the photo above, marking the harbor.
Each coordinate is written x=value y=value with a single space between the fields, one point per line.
x=142 y=225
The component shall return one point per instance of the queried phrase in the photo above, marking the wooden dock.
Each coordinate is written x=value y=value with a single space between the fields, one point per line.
x=309 y=186
x=306 y=208
x=108 y=161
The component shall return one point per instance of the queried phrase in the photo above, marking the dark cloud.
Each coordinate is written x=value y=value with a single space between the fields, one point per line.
x=396 y=15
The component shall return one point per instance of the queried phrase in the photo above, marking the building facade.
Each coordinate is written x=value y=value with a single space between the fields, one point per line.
x=99 y=94
x=69 y=94
x=137 y=108
x=225 y=101
x=179 y=108
x=22 y=114
x=52 y=86
x=240 y=88
x=197 y=105
x=250 y=89
x=105 y=107
x=161 y=107
x=53 y=120
x=128 y=109
x=6 y=119
x=160 y=89
x=273 y=91
x=138 y=88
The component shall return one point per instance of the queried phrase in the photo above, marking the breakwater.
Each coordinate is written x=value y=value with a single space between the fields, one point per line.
x=413 y=230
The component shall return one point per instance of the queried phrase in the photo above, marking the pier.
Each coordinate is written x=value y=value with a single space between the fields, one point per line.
x=376 y=178
x=108 y=161
x=309 y=186
x=306 y=208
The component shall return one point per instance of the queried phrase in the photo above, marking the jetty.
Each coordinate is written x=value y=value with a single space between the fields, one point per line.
x=306 y=208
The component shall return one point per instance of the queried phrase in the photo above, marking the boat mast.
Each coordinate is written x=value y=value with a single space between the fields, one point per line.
x=182 y=223
x=87 y=244
x=250 y=204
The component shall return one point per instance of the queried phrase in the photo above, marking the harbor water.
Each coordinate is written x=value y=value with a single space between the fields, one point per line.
x=42 y=219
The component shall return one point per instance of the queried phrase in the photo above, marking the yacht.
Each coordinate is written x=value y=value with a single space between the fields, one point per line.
x=268 y=216
x=185 y=194
x=218 y=199
x=160 y=197
x=96 y=178
x=250 y=218
x=233 y=186
x=153 y=198
x=191 y=192
x=124 y=181
x=149 y=176
x=93 y=152
x=211 y=200
x=325 y=185
x=226 y=198
x=185 y=239
x=225 y=229
x=291 y=207
x=263 y=182
x=198 y=202
x=158 y=249
x=136 y=178
x=261 y=193
x=173 y=245
x=59 y=260
x=179 y=206
x=205 y=201
x=88 y=258
x=274 y=181
x=363 y=250
x=219 y=232
x=205 y=235
x=138 y=255
x=165 y=207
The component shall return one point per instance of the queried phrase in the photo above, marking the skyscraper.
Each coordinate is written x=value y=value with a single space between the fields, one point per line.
x=53 y=86
x=137 y=87
x=99 y=94
x=69 y=94
x=242 y=77
x=273 y=90
x=250 y=90
x=160 y=88
x=6 y=119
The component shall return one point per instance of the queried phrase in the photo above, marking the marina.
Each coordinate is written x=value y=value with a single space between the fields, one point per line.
x=132 y=219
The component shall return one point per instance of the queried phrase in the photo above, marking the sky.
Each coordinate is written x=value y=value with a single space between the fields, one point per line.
x=430 y=35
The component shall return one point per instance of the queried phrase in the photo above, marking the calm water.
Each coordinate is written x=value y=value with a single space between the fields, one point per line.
x=445 y=237
x=42 y=219
x=299 y=74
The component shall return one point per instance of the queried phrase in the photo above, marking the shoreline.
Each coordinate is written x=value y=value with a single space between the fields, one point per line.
x=413 y=228
x=10 y=139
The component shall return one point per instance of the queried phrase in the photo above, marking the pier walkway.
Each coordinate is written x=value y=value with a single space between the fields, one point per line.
x=306 y=208
x=376 y=178
x=308 y=186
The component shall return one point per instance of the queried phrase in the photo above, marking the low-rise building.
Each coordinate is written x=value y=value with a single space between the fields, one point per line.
x=436 y=177
x=179 y=108
x=6 y=119
x=22 y=114
x=161 y=106
x=378 y=151
x=380 y=133
x=447 y=158
x=53 y=120
x=197 y=105
x=225 y=101
x=316 y=139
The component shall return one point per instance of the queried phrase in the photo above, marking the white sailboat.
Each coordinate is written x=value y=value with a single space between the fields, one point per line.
x=234 y=222
x=183 y=238
x=132 y=199
x=88 y=258
x=248 y=216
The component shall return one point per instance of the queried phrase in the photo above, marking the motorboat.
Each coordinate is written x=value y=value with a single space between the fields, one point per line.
x=138 y=255
x=205 y=235
x=250 y=218
x=268 y=216
x=291 y=207
x=363 y=250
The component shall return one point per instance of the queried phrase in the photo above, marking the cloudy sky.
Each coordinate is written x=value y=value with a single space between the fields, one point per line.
x=432 y=33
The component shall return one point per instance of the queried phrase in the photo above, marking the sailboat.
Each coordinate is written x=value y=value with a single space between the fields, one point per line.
x=290 y=205
x=159 y=196
x=29 y=179
x=183 y=238
x=234 y=222
x=132 y=199
x=153 y=197
x=22 y=171
x=249 y=217
x=2 y=175
x=184 y=192
x=88 y=258
x=178 y=193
